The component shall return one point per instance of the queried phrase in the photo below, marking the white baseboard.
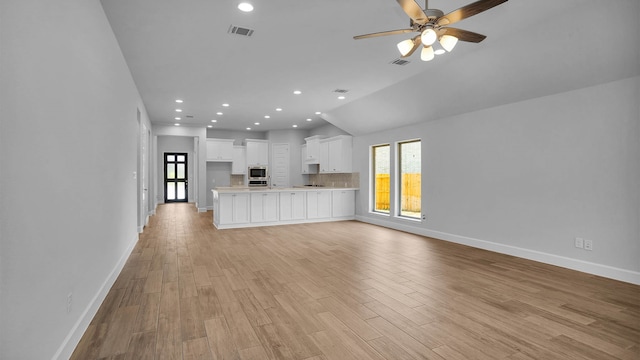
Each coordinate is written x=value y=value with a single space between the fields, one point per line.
x=73 y=338
x=610 y=272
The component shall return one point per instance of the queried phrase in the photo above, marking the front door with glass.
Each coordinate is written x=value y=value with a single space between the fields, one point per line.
x=175 y=177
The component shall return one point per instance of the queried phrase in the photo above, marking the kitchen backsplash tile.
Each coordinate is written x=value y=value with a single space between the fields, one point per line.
x=237 y=180
x=349 y=180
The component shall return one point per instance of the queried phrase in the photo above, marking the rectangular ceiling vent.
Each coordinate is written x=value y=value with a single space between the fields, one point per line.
x=240 y=30
x=341 y=91
x=189 y=116
x=400 y=62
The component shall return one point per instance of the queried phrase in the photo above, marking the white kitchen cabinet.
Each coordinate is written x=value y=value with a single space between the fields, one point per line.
x=319 y=204
x=307 y=168
x=336 y=154
x=292 y=205
x=220 y=150
x=324 y=156
x=232 y=208
x=239 y=164
x=313 y=150
x=343 y=203
x=264 y=206
x=257 y=152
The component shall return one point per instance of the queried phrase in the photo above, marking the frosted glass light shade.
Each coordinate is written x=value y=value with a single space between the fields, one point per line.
x=246 y=7
x=428 y=37
x=427 y=53
x=448 y=42
x=405 y=46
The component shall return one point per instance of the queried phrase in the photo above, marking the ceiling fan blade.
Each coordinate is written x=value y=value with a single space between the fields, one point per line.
x=462 y=35
x=416 y=44
x=414 y=11
x=384 y=33
x=467 y=11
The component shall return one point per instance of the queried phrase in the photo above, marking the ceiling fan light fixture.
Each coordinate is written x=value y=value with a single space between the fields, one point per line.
x=448 y=42
x=428 y=37
x=427 y=53
x=405 y=46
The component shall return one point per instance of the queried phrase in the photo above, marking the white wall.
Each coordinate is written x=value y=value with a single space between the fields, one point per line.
x=68 y=151
x=528 y=177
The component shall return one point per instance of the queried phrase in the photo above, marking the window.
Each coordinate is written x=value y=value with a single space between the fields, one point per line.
x=410 y=179
x=381 y=163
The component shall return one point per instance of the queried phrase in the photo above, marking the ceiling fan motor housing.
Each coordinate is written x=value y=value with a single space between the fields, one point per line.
x=433 y=14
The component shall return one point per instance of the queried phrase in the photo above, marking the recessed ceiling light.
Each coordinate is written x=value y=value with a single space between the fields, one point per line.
x=178 y=110
x=225 y=105
x=297 y=92
x=248 y=128
x=267 y=117
x=176 y=124
x=209 y=126
x=257 y=123
x=214 y=120
x=318 y=113
x=179 y=101
x=341 y=98
x=309 y=120
x=295 y=125
x=278 y=109
x=246 y=7
x=178 y=118
x=218 y=113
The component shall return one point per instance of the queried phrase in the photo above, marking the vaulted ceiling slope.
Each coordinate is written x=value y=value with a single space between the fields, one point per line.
x=563 y=51
x=182 y=49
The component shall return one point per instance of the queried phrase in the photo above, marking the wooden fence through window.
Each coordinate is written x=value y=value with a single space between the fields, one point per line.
x=411 y=192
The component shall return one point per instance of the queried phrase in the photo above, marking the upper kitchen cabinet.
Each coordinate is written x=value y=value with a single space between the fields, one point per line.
x=239 y=164
x=306 y=168
x=336 y=154
x=313 y=150
x=257 y=152
x=220 y=150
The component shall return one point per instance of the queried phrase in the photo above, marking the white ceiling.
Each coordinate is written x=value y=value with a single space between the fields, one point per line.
x=182 y=49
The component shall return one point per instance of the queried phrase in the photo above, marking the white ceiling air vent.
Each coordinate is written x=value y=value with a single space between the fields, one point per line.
x=341 y=91
x=240 y=30
x=401 y=62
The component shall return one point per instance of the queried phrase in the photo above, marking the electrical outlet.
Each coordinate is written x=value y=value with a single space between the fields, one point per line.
x=579 y=243
x=69 y=301
x=424 y=217
x=588 y=245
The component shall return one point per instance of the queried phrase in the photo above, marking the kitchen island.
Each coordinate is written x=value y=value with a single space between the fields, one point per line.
x=239 y=207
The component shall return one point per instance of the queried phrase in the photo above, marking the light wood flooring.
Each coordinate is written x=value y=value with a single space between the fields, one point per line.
x=348 y=290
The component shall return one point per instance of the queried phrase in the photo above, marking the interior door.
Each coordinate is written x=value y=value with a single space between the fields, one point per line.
x=175 y=177
x=280 y=165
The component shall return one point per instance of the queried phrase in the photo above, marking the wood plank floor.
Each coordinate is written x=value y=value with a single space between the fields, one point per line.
x=348 y=290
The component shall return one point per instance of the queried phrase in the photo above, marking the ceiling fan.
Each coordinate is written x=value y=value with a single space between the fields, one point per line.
x=431 y=24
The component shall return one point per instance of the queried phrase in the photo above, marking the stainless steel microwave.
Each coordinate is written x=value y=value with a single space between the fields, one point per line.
x=257 y=173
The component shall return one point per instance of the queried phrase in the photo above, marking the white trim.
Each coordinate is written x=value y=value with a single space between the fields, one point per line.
x=73 y=338
x=610 y=272
x=204 y=209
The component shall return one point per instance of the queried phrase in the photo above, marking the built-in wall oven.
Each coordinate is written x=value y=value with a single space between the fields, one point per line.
x=258 y=176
